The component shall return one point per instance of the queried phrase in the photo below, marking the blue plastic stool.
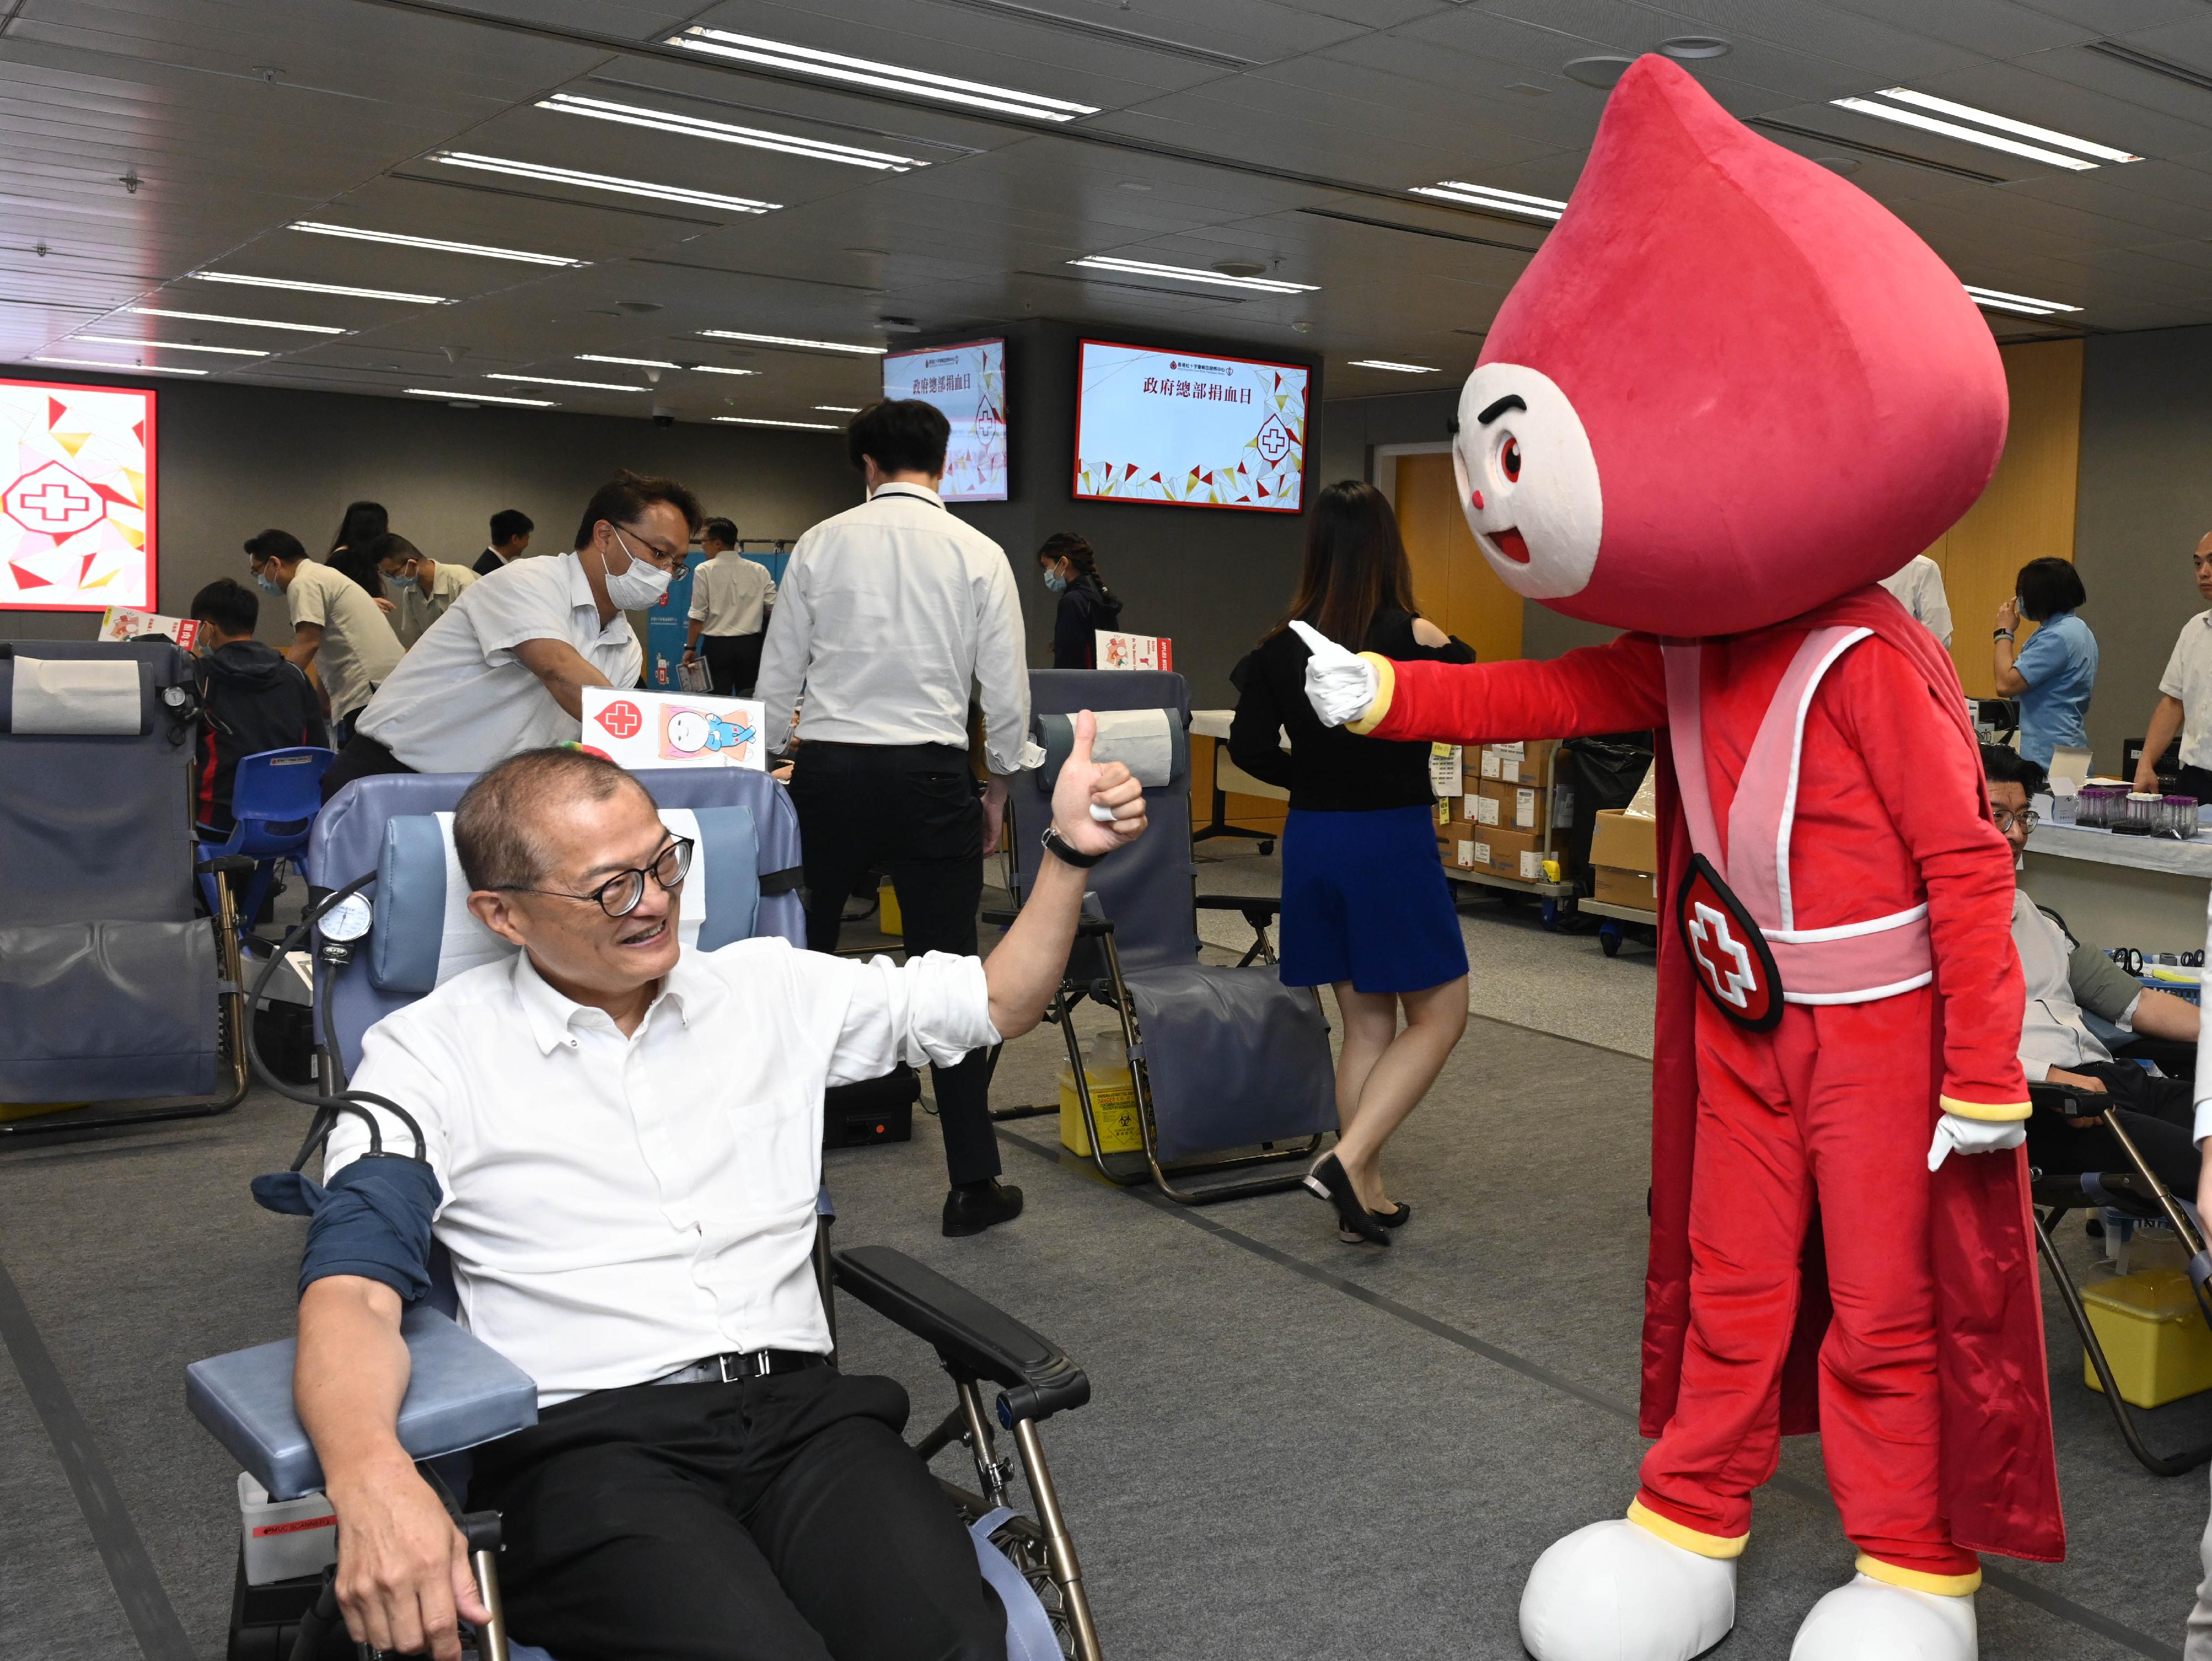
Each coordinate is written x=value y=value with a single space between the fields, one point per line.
x=273 y=798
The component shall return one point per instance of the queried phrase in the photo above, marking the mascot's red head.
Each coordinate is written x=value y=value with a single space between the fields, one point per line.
x=1728 y=387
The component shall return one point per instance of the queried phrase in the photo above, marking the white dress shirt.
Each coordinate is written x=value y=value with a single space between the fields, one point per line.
x=887 y=615
x=617 y=1208
x=358 y=649
x=461 y=701
x=1919 y=589
x=414 y=612
x=730 y=594
x=2052 y=1032
x=2189 y=676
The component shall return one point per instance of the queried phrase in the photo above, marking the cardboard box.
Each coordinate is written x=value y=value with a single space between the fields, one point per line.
x=1511 y=806
x=1624 y=841
x=1504 y=853
x=1527 y=762
x=1636 y=888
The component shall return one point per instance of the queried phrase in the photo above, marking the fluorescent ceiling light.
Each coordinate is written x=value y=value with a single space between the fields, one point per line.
x=694 y=126
x=241 y=322
x=865 y=72
x=115 y=368
x=166 y=345
x=839 y=408
x=714 y=368
x=553 y=380
x=321 y=288
x=1497 y=201
x=435 y=245
x=453 y=394
x=1998 y=300
x=761 y=421
x=1384 y=363
x=2006 y=124
x=599 y=181
x=1188 y=273
x=794 y=340
x=1990 y=133
x=634 y=363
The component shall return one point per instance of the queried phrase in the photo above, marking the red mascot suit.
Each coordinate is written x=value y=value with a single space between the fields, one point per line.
x=1730 y=394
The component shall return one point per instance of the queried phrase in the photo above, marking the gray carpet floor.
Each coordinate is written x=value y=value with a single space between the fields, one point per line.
x=1295 y=1449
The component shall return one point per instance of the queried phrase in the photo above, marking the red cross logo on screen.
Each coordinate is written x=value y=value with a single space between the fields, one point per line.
x=1274 y=440
x=53 y=501
x=621 y=719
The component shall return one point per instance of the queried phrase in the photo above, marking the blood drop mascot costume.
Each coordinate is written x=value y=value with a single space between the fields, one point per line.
x=1729 y=394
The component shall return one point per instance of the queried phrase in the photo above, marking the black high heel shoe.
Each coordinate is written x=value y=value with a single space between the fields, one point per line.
x=1397 y=1217
x=1355 y=1223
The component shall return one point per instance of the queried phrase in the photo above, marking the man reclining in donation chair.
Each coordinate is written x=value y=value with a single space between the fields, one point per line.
x=622 y=1138
x=2057 y=1047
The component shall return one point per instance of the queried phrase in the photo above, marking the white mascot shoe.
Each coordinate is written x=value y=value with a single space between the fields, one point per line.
x=1871 y=1620
x=1614 y=1591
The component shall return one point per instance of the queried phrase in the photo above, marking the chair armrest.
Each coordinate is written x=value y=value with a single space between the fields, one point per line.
x=970 y=1335
x=225 y=864
x=1000 y=917
x=2068 y=1101
x=2175 y=1057
x=461 y=1391
x=1257 y=908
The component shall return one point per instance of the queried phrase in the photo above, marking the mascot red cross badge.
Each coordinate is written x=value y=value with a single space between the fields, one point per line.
x=1730 y=394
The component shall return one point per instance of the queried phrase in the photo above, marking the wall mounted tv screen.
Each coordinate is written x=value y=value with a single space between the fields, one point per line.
x=968 y=382
x=76 y=498
x=1192 y=428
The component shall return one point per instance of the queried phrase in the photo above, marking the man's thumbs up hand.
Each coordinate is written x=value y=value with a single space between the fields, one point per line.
x=1340 y=684
x=1096 y=808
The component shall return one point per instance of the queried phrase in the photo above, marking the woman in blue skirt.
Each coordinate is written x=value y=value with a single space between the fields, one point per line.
x=1366 y=908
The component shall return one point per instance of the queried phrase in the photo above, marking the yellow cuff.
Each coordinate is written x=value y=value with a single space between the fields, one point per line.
x=1992 y=1112
x=1941 y=1585
x=1386 y=688
x=1674 y=1534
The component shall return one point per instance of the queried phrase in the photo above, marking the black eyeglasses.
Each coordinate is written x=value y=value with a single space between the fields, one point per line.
x=619 y=894
x=2027 y=818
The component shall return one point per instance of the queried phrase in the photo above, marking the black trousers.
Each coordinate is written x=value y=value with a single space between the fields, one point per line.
x=733 y=662
x=2194 y=781
x=360 y=757
x=771 y=1519
x=912 y=809
x=2157 y=1114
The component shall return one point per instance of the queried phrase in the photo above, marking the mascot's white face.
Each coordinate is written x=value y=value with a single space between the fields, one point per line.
x=687 y=731
x=1528 y=481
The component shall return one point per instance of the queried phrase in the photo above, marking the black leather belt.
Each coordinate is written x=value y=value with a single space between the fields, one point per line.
x=746 y=1364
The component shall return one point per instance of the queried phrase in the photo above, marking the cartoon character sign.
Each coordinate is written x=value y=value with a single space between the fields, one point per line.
x=1730 y=394
x=687 y=734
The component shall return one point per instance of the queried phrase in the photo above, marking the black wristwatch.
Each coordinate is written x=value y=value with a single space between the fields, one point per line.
x=1057 y=846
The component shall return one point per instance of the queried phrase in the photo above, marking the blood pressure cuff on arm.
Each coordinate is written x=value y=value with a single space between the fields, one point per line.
x=374 y=1220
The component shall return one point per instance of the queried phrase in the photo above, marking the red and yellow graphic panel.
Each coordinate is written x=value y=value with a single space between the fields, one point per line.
x=76 y=498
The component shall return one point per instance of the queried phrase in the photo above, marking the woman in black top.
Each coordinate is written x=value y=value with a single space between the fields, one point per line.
x=1086 y=605
x=1366 y=907
x=363 y=522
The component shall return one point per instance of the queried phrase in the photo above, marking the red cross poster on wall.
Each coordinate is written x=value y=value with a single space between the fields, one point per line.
x=76 y=498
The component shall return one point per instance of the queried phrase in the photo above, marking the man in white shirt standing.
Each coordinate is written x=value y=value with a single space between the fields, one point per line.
x=887 y=615
x=504 y=669
x=620 y=1147
x=421 y=589
x=336 y=627
x=510 y=540
x=2184 y=704
x=730 y=598
x=1919 y=588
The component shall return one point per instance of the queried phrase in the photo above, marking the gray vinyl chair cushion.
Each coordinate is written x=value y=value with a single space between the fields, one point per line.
x=1235 y=1058
x=460 y=1392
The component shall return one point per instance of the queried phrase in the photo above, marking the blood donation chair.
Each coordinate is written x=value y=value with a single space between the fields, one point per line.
x=2126 y=1197
x=1232 y=1068
x=394 y=924
x=111 y=988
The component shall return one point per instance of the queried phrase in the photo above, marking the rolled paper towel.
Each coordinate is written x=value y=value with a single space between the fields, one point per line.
x=92 y=697
x=1145 y=741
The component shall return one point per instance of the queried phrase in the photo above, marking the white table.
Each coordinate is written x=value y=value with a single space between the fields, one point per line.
x=2147 y=891
x=1227 y=777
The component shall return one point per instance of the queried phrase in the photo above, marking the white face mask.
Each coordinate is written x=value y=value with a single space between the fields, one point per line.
x=638 y=586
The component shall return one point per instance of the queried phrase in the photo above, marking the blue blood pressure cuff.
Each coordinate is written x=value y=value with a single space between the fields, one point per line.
x=372 y=1219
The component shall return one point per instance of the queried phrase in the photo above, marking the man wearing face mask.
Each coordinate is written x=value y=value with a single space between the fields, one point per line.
x=504 y=669
x=421 y=589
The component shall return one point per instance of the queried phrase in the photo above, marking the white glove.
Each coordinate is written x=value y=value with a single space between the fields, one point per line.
x=1340 y=684
x=1968 y=1135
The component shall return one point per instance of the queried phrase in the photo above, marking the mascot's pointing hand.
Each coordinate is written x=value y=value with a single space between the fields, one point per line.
x=1955 y=1131
x=1340 y=684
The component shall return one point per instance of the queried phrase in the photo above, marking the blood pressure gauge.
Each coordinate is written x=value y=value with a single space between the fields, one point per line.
x=347 y=920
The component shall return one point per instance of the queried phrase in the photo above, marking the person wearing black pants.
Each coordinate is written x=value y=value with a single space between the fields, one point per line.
x=890 y=617
x=913 y=810
x=2158 y=1114
x=715 y=1521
